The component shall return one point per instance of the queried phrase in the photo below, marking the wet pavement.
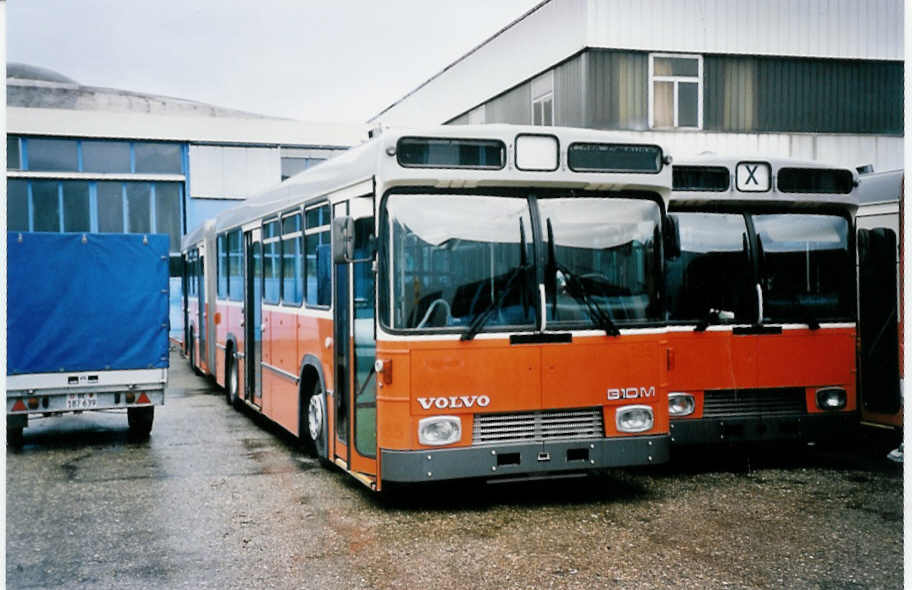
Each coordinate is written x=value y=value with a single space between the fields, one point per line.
x=217 y=498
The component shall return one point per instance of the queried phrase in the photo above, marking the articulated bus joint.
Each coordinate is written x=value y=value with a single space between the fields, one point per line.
x=533 y=458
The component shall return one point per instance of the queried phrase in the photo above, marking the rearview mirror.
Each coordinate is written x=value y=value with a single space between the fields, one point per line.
x=351 y=237
x=343 y=240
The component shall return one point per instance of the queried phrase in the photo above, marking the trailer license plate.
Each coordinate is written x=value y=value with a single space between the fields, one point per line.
x=81 y=401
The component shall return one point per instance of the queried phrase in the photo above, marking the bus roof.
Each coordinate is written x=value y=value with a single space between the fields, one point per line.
x=755 y=180
x=377 y=160
x=197 y=234
x=880 y=187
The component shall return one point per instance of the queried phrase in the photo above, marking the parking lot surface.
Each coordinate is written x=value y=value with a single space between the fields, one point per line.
x=217 y=498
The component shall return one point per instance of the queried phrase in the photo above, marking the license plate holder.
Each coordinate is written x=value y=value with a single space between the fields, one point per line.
x=81 y=401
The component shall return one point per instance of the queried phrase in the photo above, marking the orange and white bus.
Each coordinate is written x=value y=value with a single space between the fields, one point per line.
x=462 y=302
x=197 y=330
x=760 y=286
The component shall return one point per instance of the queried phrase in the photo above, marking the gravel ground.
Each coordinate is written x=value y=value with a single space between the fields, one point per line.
x=220 y=499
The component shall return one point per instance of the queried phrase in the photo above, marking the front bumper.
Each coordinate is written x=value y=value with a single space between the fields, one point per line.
x=756 y=429
x=513 y=459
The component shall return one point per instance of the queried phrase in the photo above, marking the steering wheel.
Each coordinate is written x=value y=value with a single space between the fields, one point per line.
x=430 y=312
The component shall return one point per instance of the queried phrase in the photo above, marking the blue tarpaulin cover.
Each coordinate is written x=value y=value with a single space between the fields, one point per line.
x=86 y=302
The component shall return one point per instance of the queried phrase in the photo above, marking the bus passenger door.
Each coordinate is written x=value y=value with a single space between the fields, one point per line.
x=253 y=320
x=341 y=338
x=878 y=361
x=203 y=359
x=356 y=383
x=364 y=348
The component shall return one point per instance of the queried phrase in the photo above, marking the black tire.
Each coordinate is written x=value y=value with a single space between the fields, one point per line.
x=140 y=421
x=14 y=437
x=193 y=361
x=231 y=380
x=313 y=423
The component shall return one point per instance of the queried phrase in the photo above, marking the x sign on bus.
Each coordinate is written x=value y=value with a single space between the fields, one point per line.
x=753 y=177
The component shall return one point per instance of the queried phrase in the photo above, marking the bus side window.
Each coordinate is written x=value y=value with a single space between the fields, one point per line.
x=292 y=246
x=318 y=261
x=235 y=267
x=271 y=262
x=222 y=267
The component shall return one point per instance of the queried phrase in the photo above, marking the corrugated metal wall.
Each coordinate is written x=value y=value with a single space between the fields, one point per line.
x=513 y=106
x=617 y=89
x=803 y=95
x=847 y=29
x=569 y=83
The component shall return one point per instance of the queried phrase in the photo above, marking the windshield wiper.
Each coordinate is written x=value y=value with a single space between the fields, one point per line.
x=577 y=289
x=481 y=317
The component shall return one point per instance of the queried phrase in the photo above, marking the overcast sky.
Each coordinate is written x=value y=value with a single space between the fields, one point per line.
x=311 y=60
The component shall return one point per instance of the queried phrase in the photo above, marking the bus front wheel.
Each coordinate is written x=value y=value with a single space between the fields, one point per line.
x=315 y=423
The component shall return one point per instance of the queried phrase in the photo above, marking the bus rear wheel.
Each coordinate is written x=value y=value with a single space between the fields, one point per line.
x=231 y=380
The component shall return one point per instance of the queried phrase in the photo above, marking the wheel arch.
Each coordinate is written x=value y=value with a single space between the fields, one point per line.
x=311 y=373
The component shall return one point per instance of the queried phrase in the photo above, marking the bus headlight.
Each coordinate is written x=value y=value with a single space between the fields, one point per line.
x=634 y=418
x=439 y=430
x=681 y=404
x=831 y=398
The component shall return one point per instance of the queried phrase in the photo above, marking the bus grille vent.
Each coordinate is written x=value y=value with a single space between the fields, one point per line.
x=538 y=426
x=731 y=403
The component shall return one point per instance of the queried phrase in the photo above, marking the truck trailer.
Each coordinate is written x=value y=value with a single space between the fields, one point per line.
x=87 y=326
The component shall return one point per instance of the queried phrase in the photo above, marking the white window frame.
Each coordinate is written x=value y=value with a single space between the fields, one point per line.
x=677 y=80
x=542 y=89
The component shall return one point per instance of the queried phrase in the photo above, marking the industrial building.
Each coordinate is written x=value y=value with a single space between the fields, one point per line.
x=88 y=159
x=816 y=79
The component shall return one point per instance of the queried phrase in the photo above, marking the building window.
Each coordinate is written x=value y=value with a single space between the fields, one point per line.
x=53 y=155
x=110 y=197
x=12 y=153
x=292 y=166
x=17 y=207
x=543 y=99
x=157 y=158
x=675 y=91
x=76 y=210
x=318 y=264
x=106 y=156
x=168 y=212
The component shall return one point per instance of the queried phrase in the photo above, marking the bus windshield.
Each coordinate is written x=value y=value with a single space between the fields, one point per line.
x=711 y=279
x=601 y=261
x=452 y=257
x=469 y=263
x=806 y=267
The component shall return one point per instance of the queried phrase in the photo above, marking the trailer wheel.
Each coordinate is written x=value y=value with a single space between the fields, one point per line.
x=14 y=437
x=140 y=421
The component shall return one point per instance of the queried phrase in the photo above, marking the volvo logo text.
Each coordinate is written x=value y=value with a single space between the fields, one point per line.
x=454 y=402
x=631 y=392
